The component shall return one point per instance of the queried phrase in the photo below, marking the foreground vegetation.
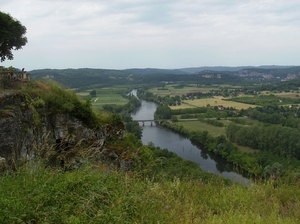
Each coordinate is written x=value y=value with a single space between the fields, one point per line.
x=96 y=194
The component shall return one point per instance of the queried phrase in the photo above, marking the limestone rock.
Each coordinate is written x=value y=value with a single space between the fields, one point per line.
x=21 y=137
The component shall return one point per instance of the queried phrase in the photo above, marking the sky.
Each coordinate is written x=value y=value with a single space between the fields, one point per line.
x=168 y=34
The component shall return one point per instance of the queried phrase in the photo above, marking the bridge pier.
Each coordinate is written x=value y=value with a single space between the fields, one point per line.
x=152 y=122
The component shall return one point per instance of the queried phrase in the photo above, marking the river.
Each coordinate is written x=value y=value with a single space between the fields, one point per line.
x=177 y=143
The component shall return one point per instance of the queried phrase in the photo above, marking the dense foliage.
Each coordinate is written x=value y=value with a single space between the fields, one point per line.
x=12 y=36
x=213 y=122
x=281 y=141
x=163 y=112
x=274 y=114
x=266 y=100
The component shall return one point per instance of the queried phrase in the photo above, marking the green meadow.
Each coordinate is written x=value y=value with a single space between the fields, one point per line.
x=201 y=126
x=109 y=95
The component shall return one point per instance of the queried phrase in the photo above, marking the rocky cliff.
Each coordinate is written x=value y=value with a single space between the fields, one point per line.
x=25 y=131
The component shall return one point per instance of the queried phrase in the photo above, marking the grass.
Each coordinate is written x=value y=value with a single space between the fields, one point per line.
x=245 y=148
x=216 y=101
x=104 y=96
x=95 y=195
x=201 y=126
x=99 y=101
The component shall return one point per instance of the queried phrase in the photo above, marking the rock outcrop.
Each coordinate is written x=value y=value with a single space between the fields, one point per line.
x=25 y=130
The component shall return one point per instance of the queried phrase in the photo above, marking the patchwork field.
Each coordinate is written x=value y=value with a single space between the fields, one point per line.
x=216 y=101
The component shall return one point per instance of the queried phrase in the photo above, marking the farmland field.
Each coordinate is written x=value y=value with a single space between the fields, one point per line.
x=201 y=126
x=105 y=96
x=173 y=91
x=215 y=101
x=99 y=101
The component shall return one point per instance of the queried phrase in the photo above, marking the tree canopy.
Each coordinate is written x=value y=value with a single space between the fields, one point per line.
x=12 y=36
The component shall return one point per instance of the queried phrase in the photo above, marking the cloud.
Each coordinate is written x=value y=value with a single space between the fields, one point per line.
x=156 y=33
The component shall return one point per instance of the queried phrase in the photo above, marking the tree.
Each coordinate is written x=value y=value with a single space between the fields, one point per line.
x=163 y=112
x=12 y=36
x=93 y=93
x=174 y=118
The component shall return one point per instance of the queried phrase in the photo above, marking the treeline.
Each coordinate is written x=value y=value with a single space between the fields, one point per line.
x=198 y=112
x=281 y=141
x=162 y=100
x=266 y=100
x=288 y=116
x=291 y=85
x=213 y=122
x=199 y=95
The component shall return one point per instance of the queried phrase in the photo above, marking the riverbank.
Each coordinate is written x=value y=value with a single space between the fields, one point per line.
x=221 y=147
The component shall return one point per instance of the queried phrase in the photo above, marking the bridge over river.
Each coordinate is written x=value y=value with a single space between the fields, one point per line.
x=160 y=121
x=151 y=121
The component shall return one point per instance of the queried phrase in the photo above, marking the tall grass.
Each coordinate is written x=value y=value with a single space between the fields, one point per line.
x=94 y=194
x=164 y=189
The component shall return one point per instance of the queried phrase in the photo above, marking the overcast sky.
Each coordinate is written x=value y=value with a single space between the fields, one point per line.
x=158 y=34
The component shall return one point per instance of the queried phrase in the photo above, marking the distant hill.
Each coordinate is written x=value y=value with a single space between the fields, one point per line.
x=86 y=77
x=276 y=66
x=147 y=71
x=76 y=78
x=214 y=68
x=230 y=69
x=280 y=72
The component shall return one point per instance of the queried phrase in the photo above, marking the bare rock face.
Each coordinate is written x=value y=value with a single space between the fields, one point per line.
x=21 y=136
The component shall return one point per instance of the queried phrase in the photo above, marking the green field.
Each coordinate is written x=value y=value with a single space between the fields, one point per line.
x=201 y=126
x=98 y=102
x=105 y=96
